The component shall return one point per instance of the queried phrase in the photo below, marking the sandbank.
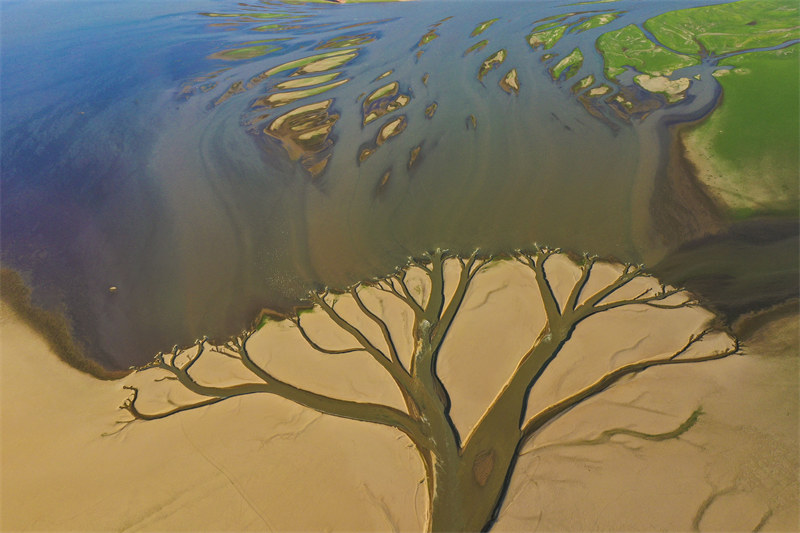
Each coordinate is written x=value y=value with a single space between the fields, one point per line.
x=263 y=463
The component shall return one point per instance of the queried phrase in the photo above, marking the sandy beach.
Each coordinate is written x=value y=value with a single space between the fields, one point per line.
x=260 y=462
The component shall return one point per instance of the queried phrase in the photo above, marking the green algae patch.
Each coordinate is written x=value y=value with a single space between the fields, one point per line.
x=482 y=27
x=491 y=63
x=727 y=28
x=747 y=151
x=480 y=45
x=250 y=50
x=546 y=38
x=428 y=37
x=346 y=41
x=629 y=46
x=568 y=66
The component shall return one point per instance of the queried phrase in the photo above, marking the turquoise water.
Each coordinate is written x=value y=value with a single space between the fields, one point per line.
x=135 y=155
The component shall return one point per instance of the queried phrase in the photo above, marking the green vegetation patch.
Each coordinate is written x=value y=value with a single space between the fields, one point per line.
x=480 y=45
x=428 y=37
x=547 y=26
x=250 y=50
x=287 y=97
x=750 y=145
x=630 y=47
x=585 y=83
x=309 y=81
x=569 y=65
x=546 y=38
x=480 y=28
x=491 y=63
x=315 y=63
x=345 y=41
x=595 y=22
x=729 y=27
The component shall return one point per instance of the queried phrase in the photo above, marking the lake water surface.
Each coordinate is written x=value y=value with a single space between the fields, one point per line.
x=135 y=155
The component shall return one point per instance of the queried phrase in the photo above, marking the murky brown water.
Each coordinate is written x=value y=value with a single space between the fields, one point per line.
x=209 y=162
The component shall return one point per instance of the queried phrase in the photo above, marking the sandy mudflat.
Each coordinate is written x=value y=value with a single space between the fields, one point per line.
x=259 y=462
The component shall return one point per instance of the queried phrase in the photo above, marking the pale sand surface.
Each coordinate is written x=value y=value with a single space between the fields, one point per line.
x=260 y=462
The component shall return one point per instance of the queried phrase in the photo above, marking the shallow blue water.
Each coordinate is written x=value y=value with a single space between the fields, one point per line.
x=121 y=166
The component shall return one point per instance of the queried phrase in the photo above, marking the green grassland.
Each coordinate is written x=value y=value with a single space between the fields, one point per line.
x=595 y=22
x=629 y=46
x=570 y=64
x=754 y=135
x=249 y=51
x=546 y=38
x=480 y=28
x=728 y=27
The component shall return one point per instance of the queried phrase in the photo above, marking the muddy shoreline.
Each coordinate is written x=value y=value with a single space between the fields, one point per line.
x=737 y=267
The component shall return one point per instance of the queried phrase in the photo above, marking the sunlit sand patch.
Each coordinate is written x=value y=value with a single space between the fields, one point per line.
x=304 y=133
x=364 y=154
x=583 y=83
x=510 y=82
x=431 y=110
x=491 y=63
x=307 y=65
x=384 y=75
x=674 y=90
x=310 y=81
x=391 y=129
x=383 y=101
x=599 y=91
x=287 y=97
